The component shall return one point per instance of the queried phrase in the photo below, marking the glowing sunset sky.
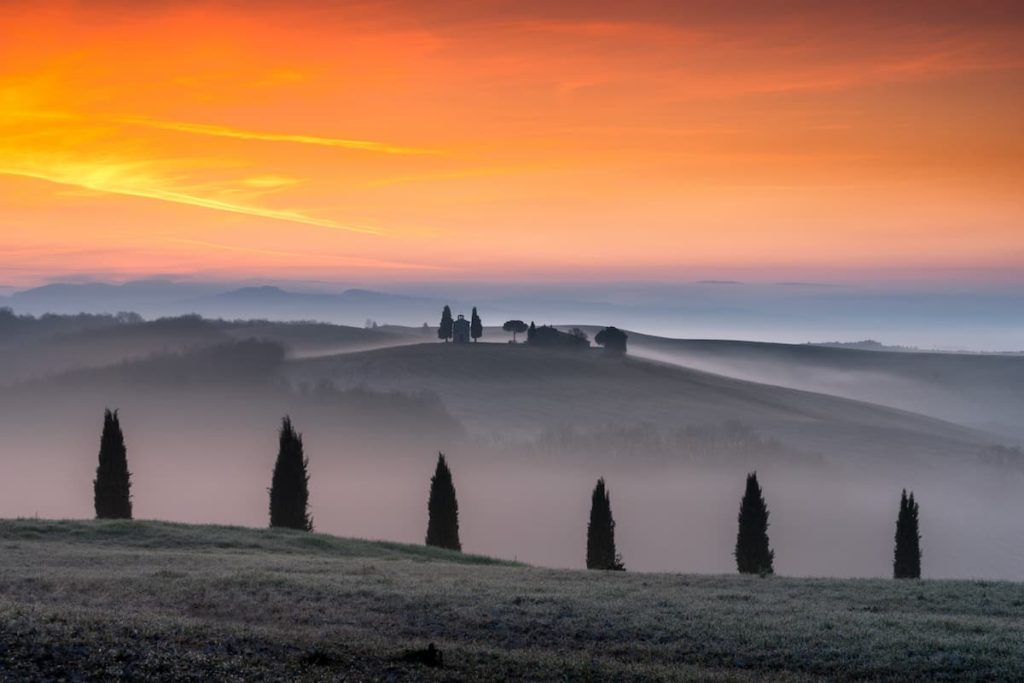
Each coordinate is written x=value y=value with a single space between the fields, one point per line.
x=396 y=140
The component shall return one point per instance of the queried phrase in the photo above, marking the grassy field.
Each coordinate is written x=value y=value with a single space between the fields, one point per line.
x=158 y=601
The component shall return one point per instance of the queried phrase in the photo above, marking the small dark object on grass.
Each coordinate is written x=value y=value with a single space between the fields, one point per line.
x=430 y=656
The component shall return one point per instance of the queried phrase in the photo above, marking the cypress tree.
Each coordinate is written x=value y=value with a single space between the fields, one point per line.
x=444 y=331
x=443 y=509
x=530 y=331
x=289 y=487
x=112 y=487
x=907 y=556
x=601 y=532
x=476 y=326
x=753 y=556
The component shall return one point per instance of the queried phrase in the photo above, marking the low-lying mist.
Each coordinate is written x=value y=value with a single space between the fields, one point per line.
x=527 y=433
x=824 y=522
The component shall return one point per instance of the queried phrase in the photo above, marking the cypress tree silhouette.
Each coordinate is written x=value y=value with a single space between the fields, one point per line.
x=476 y=326
x=530 y=331
x=289 y=487
x=601 y=532
x=443 y=509
x=907 y=556
x=112 y=486
x=753 y=556
x=444 y=331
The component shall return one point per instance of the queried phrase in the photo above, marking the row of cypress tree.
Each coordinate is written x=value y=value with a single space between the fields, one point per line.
x=289 y=507
x=289 y=486
x=753 y=552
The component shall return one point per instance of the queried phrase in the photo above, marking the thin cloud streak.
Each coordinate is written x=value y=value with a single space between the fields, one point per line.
x=227 y=132
x=106 y=182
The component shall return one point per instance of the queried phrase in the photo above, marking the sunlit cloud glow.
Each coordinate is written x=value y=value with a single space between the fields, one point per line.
x=650 y=139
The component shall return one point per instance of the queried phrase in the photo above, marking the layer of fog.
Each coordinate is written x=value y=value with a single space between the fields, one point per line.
x=201 y=429
x=982 y=391
x=678 y=519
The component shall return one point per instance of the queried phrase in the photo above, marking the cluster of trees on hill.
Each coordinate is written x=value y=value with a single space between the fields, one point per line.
x=289 y=507
x=611 y=338
x=446 y=330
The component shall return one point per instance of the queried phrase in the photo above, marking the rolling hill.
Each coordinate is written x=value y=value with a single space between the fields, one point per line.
x=517 y=388
x=985 y=391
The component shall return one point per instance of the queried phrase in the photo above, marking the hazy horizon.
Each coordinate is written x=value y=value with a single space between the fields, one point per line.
x=950 y=316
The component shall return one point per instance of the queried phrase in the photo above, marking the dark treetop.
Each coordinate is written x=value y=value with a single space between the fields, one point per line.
x=601 y=532
x=444 y=331
x=612 y=339
x=476 y=326
x=753 y=556
x=907 y=557
x=112 y=486
x=289 y=488
x=443 y=509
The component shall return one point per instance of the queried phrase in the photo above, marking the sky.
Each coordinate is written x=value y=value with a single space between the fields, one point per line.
x=483 y=140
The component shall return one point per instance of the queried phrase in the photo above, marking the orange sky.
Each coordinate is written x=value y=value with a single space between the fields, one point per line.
x=400 y=141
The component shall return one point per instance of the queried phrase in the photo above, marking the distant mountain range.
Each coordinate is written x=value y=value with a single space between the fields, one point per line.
x=152 y=298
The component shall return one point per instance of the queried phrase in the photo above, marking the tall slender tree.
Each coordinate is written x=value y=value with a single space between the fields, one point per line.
x=601 y=532
x=444 y=331
x=907 y=556
x=753 y=556
x=530 y=331
x=289 y=487
x=476 y=326
x=443 y=509
x=112 y=487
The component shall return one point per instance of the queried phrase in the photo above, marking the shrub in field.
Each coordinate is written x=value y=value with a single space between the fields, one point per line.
x=443 y=509
x=112 y=486
x=601 y=532
x=907 y=560
x=289 y=487
x=753 y=556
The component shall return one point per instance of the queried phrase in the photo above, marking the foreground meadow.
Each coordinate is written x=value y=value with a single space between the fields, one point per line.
x=158 y=601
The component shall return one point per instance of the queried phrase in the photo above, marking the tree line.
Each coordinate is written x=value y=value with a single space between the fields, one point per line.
x=611 y=338
x=289 y=507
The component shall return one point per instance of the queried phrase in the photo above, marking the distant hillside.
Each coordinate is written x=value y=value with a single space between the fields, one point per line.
x=33 y=347
x=516 y=388
x=155 y=298
x=985 y=391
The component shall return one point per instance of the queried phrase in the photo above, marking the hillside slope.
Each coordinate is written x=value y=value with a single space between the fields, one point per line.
x=980 y=390
x=38 y=347
x=151 y=601
x=494 y=387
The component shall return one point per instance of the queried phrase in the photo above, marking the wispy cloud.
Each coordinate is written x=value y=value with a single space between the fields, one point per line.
x=228 y=132
x=132 y=180
x=215 y=130
x=270 y=182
